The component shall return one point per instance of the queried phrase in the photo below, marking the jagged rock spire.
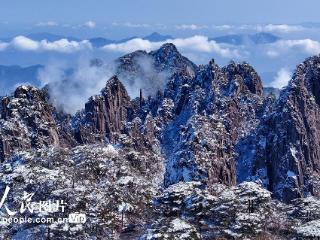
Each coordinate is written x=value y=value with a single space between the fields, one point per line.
x=108 y=112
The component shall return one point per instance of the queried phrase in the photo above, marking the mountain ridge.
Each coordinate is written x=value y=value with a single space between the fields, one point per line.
x=207 y=132
x=240 y=39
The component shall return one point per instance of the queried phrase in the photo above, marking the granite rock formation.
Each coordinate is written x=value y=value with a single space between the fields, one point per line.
x=27 y=121
x=290 y=135
x=179 y=156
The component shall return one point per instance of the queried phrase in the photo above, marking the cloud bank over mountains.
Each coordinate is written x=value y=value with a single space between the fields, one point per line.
x=196 y=44
x=281 y=47
x=70 y=91
x=273 y=28
x=281 y=28
x=22 y=43
x=282 y=78
x=272 y=56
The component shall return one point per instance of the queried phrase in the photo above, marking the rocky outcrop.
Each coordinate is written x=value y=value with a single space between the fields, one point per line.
x=213 y=112
x=166 y=58
x=105 y=115
x=244 y=77
x=288 y=156
x=26 y=122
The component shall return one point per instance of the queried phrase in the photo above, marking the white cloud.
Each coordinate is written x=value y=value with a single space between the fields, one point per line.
x=3 y=45
x=195 y=43
x=132 y=45
x=222 y=27
x=83 y=82
x=282 y=28
x=47 y=24
x=307 y=46
x=202 y=44
x=134 y=25
x=279 y=28
x=90 y=24
x=63 y=45
x=70 y=91
x=282 y=78
x=24 y=43
x=190 y=27
x=272 y=53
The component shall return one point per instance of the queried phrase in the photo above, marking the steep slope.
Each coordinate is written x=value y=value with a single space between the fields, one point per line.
x=290 y=137
x=26 y=122
x=218 y=107
x=105 y=114
x=153 y=70
x=166 y=164
x=201 y=112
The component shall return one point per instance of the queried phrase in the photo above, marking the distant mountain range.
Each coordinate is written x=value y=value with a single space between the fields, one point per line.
x=96 y=41
x=50 y=37
x=235 y=39
x=153 y=37
x=240 y=39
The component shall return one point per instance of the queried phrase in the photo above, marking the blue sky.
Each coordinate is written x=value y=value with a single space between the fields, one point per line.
x=125 y=18
x=21 y=16
x=164 y=11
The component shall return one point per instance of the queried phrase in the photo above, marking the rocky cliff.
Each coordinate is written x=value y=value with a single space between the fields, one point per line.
x=27 y=121
x=289 y=151
x=106 y=114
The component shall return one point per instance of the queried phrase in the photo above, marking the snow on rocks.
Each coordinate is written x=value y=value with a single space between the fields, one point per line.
x=310 y=230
